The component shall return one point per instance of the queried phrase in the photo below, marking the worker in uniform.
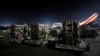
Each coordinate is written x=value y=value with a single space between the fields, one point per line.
x=25 y=32
x=6 y=36
x=13 y=33
x=29 y=31
x=45 y=34
x=32 y=32
x=19 y=36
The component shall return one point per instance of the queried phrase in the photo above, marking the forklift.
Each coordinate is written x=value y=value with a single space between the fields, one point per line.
x=36 y=34
x=69 y=38
x=14 y=35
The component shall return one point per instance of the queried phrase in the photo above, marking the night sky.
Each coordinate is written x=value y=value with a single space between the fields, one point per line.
x=46 y=11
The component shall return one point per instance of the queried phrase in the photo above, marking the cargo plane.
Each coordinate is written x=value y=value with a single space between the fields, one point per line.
x=85 y=23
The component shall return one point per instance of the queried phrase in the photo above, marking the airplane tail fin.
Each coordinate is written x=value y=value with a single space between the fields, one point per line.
x=90 y=20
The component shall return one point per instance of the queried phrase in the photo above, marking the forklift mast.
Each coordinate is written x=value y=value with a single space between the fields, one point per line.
x=71 y=27
x=70 y=32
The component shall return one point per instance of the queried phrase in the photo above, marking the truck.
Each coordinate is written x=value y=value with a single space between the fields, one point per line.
x=37 y=34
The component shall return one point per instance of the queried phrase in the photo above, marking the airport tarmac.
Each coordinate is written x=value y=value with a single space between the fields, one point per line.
x=13 y=49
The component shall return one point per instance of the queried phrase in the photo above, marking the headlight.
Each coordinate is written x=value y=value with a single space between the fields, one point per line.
x=82 y=45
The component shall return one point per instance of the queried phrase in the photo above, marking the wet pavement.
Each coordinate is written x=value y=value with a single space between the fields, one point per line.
x=13 y=49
